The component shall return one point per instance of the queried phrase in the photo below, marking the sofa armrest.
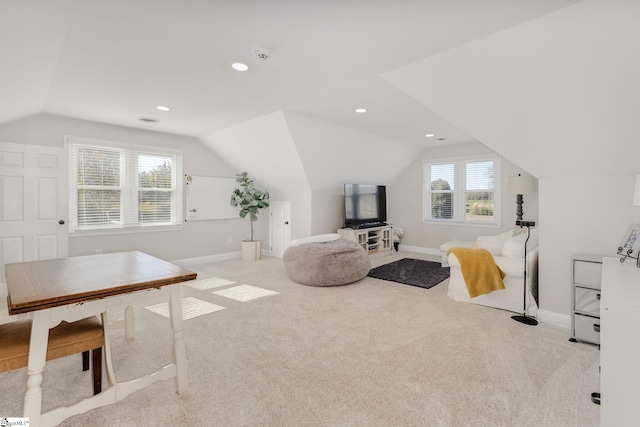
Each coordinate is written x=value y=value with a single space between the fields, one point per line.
x=510 y=266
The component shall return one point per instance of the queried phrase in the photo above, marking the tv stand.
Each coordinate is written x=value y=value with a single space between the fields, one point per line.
x=375 y=240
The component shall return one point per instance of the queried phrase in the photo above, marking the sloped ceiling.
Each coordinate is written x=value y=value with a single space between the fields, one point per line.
x=334 y=154
x=114 y=61
x=111 y=61
x=575 y=71
x=264 y=148
x=290 y=151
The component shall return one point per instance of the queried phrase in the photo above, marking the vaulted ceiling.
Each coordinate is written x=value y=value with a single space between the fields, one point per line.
x=557 y=95
x=116 y=61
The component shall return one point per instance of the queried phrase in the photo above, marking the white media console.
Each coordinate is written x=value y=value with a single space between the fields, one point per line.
x=374 y=240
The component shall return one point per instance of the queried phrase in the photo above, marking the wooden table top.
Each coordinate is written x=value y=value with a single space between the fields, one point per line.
x=36 y=285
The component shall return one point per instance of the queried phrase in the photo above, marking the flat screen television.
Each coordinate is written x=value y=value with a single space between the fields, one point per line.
x=365 y=205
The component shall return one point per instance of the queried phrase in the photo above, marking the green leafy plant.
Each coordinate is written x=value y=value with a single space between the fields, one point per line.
x=249 y=198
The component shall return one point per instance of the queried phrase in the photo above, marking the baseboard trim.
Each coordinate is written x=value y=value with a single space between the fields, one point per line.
x=419 y=250
x=205 y=259
x=553 y=318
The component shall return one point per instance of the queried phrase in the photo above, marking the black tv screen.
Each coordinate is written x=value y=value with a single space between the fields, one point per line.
x=364 y=204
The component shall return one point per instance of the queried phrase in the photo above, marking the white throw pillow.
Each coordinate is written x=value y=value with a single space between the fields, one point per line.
x=320 y=238
x=514 y=247
x=508 y=234
x=495 y=243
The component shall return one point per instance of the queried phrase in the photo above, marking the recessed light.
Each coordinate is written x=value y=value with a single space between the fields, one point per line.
x=163 y=108
x=147 y=119
x=361 y=110
x=429 y=135
x=239 y=66
x=440 y=139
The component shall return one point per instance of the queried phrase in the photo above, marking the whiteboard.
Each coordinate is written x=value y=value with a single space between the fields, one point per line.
x=209 y=197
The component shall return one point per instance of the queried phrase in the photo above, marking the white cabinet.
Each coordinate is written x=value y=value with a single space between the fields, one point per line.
x=620 y=343
x=586 y=277
x=374 y=240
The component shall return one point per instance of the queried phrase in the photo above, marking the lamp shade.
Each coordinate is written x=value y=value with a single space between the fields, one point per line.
x=636 y=192
x=523 y=184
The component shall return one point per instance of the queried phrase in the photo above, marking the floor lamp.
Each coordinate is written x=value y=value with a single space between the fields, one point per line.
x=524 y=318
x=519 y=185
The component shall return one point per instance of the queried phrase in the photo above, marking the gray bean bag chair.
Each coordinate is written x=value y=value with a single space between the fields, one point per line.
x=333 y=263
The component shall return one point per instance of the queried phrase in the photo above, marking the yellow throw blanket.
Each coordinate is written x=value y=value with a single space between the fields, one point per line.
x=480 y=272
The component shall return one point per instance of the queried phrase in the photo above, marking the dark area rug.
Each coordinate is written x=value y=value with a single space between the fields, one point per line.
x=414 y=272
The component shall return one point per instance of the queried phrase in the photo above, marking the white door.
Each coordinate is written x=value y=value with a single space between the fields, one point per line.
x=33 y=214
x=279 y=228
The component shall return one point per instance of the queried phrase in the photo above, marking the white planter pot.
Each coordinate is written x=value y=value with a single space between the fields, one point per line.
x=250 y=250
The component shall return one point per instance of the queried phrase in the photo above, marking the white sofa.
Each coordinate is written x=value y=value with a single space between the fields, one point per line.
x=508 y=253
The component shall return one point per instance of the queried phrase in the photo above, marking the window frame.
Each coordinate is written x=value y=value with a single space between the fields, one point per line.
x=460 y=189
x=129 y=187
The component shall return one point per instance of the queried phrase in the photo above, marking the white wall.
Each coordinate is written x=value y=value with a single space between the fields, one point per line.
x=579 y=214
x=300 y=211
x=327 y=210
x=404 y=201
x=196 y=239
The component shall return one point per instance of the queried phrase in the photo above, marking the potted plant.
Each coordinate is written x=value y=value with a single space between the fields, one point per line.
x=251 y=201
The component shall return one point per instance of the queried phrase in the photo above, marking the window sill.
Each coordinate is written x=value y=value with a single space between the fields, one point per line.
x=124 y=230
x=463 y=223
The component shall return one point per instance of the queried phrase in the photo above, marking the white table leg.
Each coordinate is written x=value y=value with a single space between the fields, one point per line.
x=129 y=323
x=108 y=362
x=37 y=359
x=179 y=349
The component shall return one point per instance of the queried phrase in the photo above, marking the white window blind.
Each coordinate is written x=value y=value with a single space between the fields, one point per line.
x=480 y=190
x=115 y=186
x=442 y=184
x=462 y=191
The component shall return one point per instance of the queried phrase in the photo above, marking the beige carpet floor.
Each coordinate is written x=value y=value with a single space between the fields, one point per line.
x=373 y=353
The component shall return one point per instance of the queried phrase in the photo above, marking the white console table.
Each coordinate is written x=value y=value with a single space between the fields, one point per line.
x=620 y=343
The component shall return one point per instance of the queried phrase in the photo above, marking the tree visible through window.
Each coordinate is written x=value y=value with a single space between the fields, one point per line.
x=154 y=189
x=441 y=199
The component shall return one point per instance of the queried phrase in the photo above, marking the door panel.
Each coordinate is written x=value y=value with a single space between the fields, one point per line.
x=33 y=186
x=12 y=198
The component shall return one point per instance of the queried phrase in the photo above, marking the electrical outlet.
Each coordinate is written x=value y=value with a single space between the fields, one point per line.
x=98 y=251
x=229 y=239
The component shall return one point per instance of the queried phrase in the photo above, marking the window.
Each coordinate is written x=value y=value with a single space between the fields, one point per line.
x=123 y=186
x=462 y=191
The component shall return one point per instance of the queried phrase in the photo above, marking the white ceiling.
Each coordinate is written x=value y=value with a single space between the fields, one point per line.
x=555 y=95
x=111 y=61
